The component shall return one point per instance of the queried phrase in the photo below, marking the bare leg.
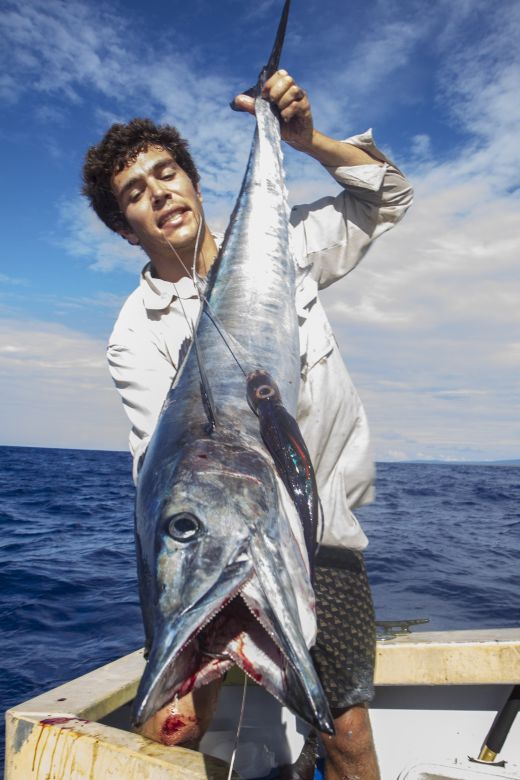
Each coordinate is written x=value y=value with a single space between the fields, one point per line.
x=185 y=721
x=350 y=754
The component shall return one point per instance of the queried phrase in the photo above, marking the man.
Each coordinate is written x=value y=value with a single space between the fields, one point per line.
x=143 y=183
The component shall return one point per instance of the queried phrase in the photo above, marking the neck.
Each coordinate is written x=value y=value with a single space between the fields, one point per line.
x=174 y=263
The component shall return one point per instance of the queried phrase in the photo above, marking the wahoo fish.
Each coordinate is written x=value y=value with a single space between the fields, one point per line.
x=226 y=504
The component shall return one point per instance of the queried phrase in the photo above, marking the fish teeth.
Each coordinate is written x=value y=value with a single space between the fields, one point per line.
x=212 y=616
x=266 y=628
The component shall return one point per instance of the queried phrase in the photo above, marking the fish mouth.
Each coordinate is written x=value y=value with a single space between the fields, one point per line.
x=210 y=650
x=238 y=632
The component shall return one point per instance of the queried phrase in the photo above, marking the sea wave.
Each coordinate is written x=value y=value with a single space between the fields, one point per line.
x=444 y=545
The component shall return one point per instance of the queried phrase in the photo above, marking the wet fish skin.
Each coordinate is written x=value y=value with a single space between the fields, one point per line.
x=233 y=493
x=221 y=562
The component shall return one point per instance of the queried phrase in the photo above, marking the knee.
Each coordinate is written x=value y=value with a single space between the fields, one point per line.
x=185 y=730
x=185 y=721
x=173 y=729
x=353 y=742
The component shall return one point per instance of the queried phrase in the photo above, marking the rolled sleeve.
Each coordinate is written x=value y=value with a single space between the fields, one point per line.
x=333 y=234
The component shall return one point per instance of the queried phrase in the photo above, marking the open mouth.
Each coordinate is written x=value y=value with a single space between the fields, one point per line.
x=240 y=630
x=172 y=218
x=238 y=634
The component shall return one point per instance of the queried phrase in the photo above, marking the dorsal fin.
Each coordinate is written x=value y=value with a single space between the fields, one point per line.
x=183 y=351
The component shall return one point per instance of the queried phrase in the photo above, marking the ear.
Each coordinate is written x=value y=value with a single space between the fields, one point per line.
x=129 y=236
x=199 y=193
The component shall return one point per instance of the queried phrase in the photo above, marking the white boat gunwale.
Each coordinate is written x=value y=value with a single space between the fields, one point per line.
x=59 y=733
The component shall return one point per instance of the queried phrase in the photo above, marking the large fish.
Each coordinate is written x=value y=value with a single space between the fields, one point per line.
x=223 y=572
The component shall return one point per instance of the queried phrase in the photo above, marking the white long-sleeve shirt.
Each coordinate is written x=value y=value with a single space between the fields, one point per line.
x=328 y=239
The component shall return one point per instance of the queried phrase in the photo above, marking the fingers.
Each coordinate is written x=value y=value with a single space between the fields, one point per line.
x=245 y=103
x=293 y=104
x=286 y=94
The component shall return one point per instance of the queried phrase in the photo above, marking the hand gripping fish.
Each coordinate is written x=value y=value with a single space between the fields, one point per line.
x=227 y=484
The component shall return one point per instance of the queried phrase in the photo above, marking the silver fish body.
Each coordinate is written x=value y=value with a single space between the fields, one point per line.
x=222 y=577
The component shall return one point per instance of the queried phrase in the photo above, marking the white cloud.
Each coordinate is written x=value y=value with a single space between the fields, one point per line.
x=82 y=234
x=429 y=321
x=421 y=146
x=65 y=51
x=12 y=280
x=10 y=348
x=56 y=389
x=260 y=9
x=386 y=49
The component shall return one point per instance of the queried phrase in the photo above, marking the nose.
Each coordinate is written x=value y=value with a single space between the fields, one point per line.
x=158 y=192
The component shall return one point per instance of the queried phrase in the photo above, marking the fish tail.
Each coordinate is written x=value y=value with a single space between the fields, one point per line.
x=273 y=61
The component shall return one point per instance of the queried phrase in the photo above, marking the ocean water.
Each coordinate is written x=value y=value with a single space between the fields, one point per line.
x=444 y=545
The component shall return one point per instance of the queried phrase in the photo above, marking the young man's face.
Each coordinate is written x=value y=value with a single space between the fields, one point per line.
x=160 y=203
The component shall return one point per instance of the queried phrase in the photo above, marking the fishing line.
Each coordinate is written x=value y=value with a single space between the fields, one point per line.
x=213 y=317
x=209 y=311
x=188 y=321
x=192 y=274
x=207 y=397
x=239 y=727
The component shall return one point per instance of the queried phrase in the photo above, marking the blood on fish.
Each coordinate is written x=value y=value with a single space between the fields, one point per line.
x=187 y=685
x=247 y=666
x=250 y=670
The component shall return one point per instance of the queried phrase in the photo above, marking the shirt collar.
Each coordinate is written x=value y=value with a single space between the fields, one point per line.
x=158 y=293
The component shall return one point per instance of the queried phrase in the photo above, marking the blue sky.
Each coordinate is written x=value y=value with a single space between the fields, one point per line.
x=428 y=323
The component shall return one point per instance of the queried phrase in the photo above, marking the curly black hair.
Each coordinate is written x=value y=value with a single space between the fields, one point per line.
x=120 y=146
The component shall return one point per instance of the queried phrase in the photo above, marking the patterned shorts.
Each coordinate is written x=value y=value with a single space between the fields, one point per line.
x=344 y=653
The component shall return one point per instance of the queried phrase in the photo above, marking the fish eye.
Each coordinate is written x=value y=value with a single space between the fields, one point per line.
x=265 y=391
x=184 y=527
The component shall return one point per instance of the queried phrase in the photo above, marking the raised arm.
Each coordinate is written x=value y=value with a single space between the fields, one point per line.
x=297 y=126
x=333 y=234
